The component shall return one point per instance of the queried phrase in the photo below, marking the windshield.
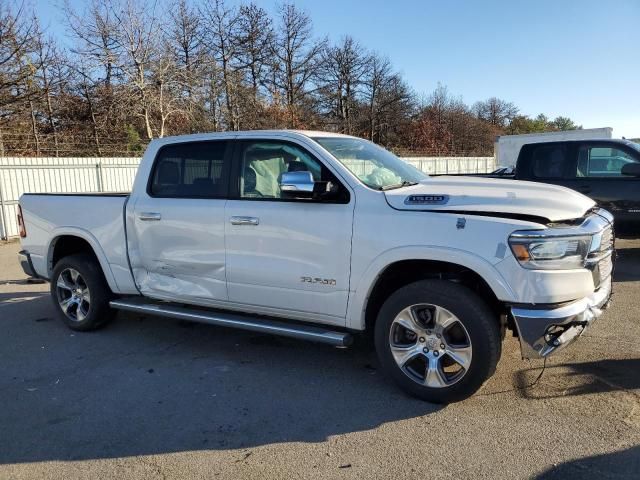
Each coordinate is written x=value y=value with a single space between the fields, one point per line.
x=374 y=166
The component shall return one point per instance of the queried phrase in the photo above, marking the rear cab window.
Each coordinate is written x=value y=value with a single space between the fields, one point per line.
x=191 y=170
x=549 y=161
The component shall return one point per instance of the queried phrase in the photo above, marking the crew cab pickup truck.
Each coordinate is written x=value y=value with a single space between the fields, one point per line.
x=608 y=171
x=321 y=236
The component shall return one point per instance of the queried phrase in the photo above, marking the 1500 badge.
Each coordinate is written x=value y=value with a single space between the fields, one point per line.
x=426 y=200
x=322 y=281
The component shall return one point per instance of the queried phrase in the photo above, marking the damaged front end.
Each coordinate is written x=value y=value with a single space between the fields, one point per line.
x=546 y=329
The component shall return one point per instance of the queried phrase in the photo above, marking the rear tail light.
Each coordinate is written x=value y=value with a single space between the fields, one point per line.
x=23 y=230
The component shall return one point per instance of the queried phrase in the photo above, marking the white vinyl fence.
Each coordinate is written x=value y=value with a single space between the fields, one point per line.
x=81 y=175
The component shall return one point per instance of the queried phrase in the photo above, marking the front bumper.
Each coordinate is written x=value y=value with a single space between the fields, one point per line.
x=544 y=331
x=25 y=262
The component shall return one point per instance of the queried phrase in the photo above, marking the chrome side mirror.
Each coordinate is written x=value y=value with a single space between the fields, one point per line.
x=297 y=185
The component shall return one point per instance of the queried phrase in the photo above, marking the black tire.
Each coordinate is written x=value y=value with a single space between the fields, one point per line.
x=95 y=312
x=481 y=328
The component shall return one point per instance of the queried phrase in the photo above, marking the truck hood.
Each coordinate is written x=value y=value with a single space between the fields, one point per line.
x=491 y=196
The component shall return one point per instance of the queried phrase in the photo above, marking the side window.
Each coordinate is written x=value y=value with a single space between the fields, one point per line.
x=549 y=161
x=262 y=164
x=190 y=170
x=601 y=161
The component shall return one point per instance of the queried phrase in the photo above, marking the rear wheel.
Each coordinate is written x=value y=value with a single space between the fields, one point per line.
x=80 y=293
x=438 y=340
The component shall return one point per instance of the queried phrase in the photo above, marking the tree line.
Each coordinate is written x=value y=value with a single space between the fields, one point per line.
x=133 y=70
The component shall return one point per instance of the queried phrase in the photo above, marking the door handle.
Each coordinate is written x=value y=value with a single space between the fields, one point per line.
x=149 y=216
x=245 y=221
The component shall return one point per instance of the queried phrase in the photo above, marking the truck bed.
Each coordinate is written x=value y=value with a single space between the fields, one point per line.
x=96 y=217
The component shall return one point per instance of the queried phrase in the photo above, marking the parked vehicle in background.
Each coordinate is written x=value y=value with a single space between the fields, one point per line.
x=608 y=171
x=507 y=147
x=320 y=236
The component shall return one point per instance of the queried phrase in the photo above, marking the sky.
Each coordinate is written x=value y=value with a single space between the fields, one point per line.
x=576 y=58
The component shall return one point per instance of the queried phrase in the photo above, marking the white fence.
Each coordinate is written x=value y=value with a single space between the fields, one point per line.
x=58 y=175
x=81 y=175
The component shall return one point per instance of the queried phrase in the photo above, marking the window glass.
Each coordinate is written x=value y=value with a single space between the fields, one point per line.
x=374 y=166
x=601 y=161
x=263 y=163
x=193 y=169
x=549 y=161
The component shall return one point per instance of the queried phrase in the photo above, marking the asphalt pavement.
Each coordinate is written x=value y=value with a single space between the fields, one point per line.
x=154 y=398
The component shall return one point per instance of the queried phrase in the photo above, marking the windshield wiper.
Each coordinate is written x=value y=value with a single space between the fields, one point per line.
x=405 y=183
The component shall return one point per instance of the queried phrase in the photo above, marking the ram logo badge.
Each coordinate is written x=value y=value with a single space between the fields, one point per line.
x=322 y=281
x=426 y=200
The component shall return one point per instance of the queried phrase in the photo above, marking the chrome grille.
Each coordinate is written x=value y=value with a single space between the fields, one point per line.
x=607 y=239
x=605 y=267
x=601 y=256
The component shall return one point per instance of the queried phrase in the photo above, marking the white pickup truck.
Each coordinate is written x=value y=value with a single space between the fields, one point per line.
x=320 y=236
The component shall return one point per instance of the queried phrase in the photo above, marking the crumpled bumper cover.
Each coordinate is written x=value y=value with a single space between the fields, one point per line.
x=544 y=331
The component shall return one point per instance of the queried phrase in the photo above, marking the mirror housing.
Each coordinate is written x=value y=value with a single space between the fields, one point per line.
x=300 y=185
x=297 y=185
x=631 y=169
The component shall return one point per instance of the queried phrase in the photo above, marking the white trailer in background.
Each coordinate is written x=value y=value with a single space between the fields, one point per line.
x=507 y=147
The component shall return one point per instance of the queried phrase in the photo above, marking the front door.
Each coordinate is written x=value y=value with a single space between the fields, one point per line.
x=598 y=175
x=286 y=256
x=176 y=235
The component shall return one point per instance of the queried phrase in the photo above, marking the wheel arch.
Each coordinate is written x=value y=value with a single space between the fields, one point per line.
x=70 y=241
x=398 y=267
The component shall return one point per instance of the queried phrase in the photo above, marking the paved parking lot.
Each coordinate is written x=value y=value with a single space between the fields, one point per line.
x=149 y=397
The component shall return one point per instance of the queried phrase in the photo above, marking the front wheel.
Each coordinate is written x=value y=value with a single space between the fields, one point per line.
x=438 y=340
x=80 y=293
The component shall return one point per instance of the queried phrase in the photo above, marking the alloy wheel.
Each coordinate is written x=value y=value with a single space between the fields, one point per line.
x=73 y=294
x=430 y=345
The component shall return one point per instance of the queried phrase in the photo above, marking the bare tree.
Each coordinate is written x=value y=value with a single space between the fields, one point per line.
x=85 y=87
x=95 y=33
x=184 y=38
x=167 y=100
x=296 y=54
x=255 y=43
x=387 y=102
x=495 y=111
x=222 y=35
x=137 y=33
x=49 y=77
x=341 y=70
x=17 y=34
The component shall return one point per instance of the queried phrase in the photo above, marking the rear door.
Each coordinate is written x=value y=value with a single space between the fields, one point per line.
x=598 y=175
x=288 y=257
x=176 y=237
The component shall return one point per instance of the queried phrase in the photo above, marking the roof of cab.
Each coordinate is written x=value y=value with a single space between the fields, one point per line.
x=248 y=133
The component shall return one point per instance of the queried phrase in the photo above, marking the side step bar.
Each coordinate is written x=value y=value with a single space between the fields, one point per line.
x=243 y=322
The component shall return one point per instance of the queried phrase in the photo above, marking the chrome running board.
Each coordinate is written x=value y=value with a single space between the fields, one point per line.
x=232 y=320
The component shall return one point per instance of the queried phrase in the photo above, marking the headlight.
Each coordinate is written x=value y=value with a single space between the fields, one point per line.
x=550 y=253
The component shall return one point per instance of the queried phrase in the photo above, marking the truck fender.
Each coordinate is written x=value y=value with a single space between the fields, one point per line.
x=360 y=295
x=95 y=245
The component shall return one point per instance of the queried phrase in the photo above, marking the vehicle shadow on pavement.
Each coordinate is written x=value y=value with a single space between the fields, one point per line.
x=19 y=297
x=622 y=465
x=150 y=386
x=22 y=281
x=581 y=379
